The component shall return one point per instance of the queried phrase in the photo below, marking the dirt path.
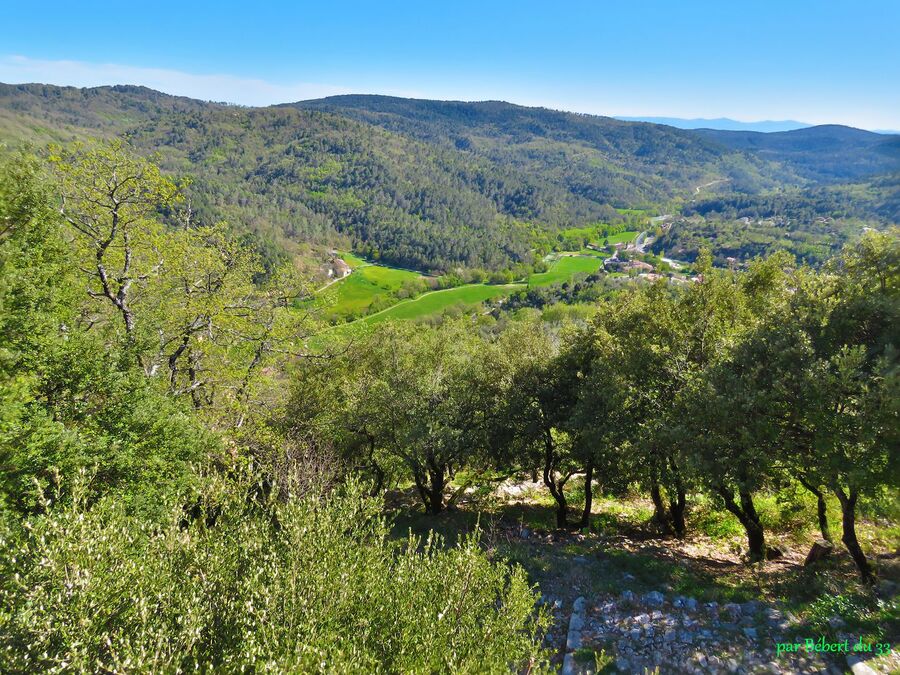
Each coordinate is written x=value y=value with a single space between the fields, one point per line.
x=710 y=184
x=334 y=281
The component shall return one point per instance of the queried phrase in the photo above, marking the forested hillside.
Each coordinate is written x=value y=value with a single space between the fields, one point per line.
x=436 y=185
x=604 y=159
x=828 y=152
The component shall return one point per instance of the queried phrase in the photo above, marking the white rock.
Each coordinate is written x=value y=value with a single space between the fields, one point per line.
x=836 y=622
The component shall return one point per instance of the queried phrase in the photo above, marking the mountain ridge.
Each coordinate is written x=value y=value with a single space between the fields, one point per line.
x=434 y=184
x=720 y=123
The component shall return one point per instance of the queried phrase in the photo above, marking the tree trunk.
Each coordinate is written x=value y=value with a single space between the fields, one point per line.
x=678 y=505
x=534 y=475
x=376 y=467
x=430 y=485
x=756 y=540
x=676 y=512
x=436 y=489
x=588 y=496
x=821 y=507
x=749 y=519
x=379 y=479
x=659 y=508
x=848 y=521
x=556 y=489
x=559 y=495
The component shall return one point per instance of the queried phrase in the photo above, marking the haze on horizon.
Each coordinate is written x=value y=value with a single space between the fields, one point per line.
x=822 y=62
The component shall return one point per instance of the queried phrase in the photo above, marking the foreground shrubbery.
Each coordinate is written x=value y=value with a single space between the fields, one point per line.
x=304 y=585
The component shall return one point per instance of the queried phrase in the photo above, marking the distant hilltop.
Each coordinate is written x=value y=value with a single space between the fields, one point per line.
x=721 y=123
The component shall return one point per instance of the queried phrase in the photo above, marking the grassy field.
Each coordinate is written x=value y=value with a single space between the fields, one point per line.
x=563 y=269
x=364 y=286
x=437 y=301
x=353 y=260
x=370 y=283
x=596 y=237
x=587 y=232
x=621 y=237
x=596 y=254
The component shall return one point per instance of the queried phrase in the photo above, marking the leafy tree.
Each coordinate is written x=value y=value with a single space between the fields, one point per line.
x=720 y=407
x=187 y=295
x=110 y=199
x=849 y=412
x=533 y=427
x=70 y=400
x=640 y=359
x=414 y=399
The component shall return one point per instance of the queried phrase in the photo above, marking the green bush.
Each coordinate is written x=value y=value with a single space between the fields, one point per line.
x=708 y=518
x=863 y=614
x=308 y=585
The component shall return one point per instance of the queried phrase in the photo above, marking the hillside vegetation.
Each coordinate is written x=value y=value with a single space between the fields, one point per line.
x=602 y=159
x=434 y=185
x=829 y=152
x=189 y=481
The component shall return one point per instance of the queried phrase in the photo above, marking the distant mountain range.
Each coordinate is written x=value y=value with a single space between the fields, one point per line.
x=728 y=124
x=721 y=123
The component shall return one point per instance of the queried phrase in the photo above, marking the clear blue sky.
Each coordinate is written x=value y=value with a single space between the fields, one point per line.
x=817 y=62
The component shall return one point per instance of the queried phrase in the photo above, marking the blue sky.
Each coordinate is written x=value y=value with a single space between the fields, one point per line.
x=817 y=62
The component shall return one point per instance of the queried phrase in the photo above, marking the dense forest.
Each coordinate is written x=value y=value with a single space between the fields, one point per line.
x=825 y=153
x=437 y=186
x=189 y=482
x=812 y=223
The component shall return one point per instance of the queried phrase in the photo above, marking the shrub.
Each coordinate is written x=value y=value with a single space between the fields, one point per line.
x=712 y=521
x=308 y=584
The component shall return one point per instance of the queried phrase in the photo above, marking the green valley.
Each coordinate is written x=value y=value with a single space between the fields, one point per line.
x=366 y=289
x=369 y=293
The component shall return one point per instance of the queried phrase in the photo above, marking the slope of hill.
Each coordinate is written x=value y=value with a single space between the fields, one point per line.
x=601 y=158
x=310 y=175
x=823 y=153
x=38 y=112
x=435 y=184
x=723 y=123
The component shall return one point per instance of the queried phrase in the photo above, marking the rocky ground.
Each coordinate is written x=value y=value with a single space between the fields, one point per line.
x=640 y=629
x=678 y=634
x=656 y=604
x=666 y=632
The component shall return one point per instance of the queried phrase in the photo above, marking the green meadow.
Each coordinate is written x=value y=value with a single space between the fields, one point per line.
x=436 y=302
x=586 y=232
x=354 y=260
x=363 y=287
x=371 y=283
x=564 y=267
x=620 y=238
